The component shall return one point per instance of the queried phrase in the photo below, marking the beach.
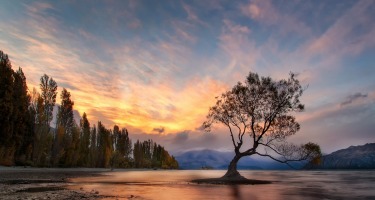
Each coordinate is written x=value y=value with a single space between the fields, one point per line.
x=45 y=183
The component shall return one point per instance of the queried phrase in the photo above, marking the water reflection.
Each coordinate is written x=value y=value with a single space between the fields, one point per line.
x=236 y=192
x=164 y=184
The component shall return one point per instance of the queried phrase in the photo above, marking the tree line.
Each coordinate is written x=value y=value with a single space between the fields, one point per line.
x=27 y=138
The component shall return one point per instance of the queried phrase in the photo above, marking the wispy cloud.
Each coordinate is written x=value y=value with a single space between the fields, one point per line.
x=348 y=36
x=352 y=98
x=265 y=12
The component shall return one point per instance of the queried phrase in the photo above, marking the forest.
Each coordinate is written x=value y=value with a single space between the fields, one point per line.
x=27 y=138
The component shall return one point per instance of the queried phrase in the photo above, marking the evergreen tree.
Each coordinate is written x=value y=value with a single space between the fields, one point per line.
x=65 y=117
x=7 y=145
x=93 y=148
x=105 y=146
x=138 y=155
x=36 y=110
x=21 y=118
x=65 y=125
x=116 y=136
x=126 y=147
x=73 y=151
x=15 y=136
x=85 y=141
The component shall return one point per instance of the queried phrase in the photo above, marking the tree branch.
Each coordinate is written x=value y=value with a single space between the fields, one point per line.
x=252 y=129
x=266 y=145
x=281 y=161
x=231 y=134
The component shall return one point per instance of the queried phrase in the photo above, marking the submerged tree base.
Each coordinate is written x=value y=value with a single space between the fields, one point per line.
x=230 y=181
x=232 y=177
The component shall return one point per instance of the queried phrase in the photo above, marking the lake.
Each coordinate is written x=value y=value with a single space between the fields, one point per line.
x=174 y=184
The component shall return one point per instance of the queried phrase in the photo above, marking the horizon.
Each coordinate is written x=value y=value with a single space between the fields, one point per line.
x=156 y=68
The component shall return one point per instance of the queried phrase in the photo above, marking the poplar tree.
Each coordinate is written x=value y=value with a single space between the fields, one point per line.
x=7 y=148
x=65 y=127
x=43 y=139
x=48 y=87
x=105 y=146
x=84 y=141
x=93 y=147
x=22 y=133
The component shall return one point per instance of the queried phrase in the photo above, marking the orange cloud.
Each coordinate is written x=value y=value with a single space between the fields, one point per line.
x=149 y=107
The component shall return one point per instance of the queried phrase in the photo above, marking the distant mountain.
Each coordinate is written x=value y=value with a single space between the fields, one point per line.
x=220 y=160
x=354 y=157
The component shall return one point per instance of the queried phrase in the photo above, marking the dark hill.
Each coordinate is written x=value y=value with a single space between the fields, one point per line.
x=354 y=157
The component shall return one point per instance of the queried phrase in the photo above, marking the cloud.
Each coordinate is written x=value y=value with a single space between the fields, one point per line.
x=192 y=15
x=183 y=31
x=253 y=10
x=340 y=127
x=343 y=37
x=125 y=85
x=159 y=130
x=353 y=97
x=240 y=49
x=38 y=7
x=178 y=142
x=181 y=137
x=266 y=13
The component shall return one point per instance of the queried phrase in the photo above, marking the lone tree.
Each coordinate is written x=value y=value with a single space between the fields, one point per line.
x=259 y=111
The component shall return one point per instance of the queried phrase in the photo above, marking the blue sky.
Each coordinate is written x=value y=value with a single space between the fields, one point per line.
x=156 y=66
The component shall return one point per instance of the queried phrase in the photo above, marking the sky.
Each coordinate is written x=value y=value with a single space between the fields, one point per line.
x=155 y=67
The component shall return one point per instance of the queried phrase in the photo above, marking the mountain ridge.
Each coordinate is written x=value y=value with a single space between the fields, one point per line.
x=353 y=157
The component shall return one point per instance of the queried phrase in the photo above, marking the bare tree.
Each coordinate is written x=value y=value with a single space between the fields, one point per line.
x=259 y=111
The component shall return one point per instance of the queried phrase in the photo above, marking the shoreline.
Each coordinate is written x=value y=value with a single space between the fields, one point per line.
x=45 y=183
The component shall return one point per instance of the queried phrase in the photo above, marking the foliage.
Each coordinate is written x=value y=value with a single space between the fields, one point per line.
x=7 y=146
x=148 y=154
x=85 y=141
x=15 y=121
x=49 y=91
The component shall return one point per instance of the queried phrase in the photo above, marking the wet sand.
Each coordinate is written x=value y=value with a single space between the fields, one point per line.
x=45 y=183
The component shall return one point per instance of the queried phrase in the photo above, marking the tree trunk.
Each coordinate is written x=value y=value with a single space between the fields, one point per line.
x=232 y=172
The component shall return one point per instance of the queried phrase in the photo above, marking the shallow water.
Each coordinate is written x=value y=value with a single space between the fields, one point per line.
x=174 y=184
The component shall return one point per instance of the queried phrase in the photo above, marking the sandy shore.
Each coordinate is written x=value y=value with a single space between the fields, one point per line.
x=45 y=183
